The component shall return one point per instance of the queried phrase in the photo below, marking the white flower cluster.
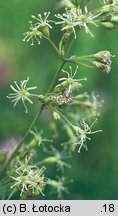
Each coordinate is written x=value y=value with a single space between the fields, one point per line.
x=74 y=17
x=29 y=179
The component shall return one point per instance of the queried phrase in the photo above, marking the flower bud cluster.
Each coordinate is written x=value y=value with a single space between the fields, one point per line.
x=63 y=92
x=102 y=61
x=109 y=14
x=62 y=99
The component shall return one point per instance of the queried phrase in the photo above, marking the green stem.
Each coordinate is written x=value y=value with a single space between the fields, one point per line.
x=54 y=46
x=56 y=76
x=71 y=60
x=12 y=193
x=65 y=119
x=58 y=52
x=42 y=106
x=86 y=65
x=86 y=57
x=23 y=139
x=69 y=46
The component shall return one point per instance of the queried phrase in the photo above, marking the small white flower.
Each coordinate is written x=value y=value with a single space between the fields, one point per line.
x=90 y=103
x=82 y=134
x=68 y=20
x=58 y=158
x=33 y=33
x=36 y=30
x=21 y=93
x=42 y=21
x=93 y=105
x=59 y=186
x=70 y=80
x=85 y=19
x=38 y=139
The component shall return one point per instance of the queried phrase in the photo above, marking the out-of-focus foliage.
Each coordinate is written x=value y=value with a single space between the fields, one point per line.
x=95 y=172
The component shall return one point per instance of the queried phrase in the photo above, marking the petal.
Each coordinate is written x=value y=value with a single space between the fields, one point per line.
x=12 y=87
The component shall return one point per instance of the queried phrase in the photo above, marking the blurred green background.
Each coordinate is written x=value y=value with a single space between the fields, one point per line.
x=95 y=172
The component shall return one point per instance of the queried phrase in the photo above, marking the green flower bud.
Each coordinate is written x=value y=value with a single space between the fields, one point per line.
x=50 y=160
x=33 y=17
x=53 y=129
x=43 y=23
x=41 y=98
x=63 y=42
x=53 y=183
x=56 y=115
x=65 y=3
x=59 y=186
x=114 y=19
x=102 y=66
x=104 y=56
x=107 y=25
x=77 y=130
x=109 y=1
x=106 y=9
x=77 y=2
x=45 y=31
x=106 y=18
x=81 y=97
x=47 y=100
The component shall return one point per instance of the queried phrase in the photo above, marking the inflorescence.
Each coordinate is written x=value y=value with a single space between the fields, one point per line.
x=68 y=105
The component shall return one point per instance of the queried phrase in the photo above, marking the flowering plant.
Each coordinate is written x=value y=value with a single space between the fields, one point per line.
x=64 y=99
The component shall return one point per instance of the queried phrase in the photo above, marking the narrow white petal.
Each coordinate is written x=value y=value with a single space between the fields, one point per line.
x=12 y=87
x=17 y=86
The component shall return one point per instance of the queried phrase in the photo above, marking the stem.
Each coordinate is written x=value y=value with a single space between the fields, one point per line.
x=42 y=106
x=86 y=57
x=86 y=65
x=54 y=46
x=23 y=139
x=56 y=76
x=65 y=119
x=11 y=194
x=58 y=52
x=69 y=46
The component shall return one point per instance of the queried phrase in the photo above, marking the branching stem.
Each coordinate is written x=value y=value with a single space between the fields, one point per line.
x=42 y=106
